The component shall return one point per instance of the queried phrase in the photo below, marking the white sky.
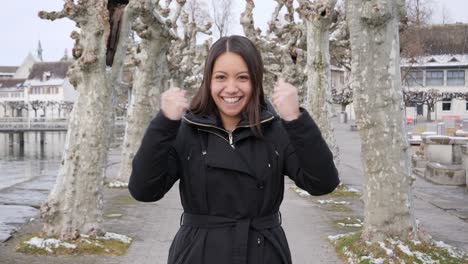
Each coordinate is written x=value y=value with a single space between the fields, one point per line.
x=21 y=28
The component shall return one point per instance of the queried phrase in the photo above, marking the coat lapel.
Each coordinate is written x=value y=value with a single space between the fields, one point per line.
x=221 y=155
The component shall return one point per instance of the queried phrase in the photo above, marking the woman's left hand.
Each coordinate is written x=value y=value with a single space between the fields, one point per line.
x=285 y=100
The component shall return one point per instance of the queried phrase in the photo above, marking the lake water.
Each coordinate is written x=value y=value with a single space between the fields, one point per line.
x=25 y=163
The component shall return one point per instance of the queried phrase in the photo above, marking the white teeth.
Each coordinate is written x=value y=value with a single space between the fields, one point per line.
x=231 y=99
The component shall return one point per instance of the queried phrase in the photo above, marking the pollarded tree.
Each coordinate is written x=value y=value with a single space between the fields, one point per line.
x=318 y=16
x=299 y=52
x=74 y=205
x=158 y=31
x=379 y=115
x=36 y=105
x=283 y=46
x=222 y=16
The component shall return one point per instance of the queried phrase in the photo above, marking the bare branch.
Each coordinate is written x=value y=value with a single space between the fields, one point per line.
x=69 y=10
x=180 y=6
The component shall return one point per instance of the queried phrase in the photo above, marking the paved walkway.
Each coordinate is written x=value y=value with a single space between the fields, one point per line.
x=441 y=210
x=306 y=223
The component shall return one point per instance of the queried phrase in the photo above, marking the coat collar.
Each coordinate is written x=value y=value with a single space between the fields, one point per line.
x=267 y=114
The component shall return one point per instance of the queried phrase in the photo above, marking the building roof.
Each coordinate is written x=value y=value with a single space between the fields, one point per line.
x=11 y=83
x=434 y=40
x=8 y=69
x=57 y=70
x=447 y=60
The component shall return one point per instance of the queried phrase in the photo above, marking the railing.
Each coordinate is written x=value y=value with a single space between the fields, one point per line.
x=42 y=124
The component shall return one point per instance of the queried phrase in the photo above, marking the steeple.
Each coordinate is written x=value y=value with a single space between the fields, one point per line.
x=65 y=56
x=39 y=51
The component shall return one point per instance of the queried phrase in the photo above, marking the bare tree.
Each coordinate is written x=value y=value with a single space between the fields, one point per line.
x=318 y=17
x=155 y=66
x=445 y=15
x=419 y=12
x=198 y=11
x=36 y=105
x=222 y=16
x=74 y=205
x=379 y=111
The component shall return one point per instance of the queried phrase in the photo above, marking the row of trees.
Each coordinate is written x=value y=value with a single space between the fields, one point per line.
x=18 y=106
x=297 y=50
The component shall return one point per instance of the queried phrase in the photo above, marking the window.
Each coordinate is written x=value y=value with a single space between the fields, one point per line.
x=414 y=78
x=456 y=77
x=434 y=78
x=447 y=105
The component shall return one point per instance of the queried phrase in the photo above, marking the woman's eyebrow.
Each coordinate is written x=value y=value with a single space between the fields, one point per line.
x=242 y=72
x=220 y=72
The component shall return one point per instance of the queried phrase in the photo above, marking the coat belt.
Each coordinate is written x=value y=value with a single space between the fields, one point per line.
x=242 y=228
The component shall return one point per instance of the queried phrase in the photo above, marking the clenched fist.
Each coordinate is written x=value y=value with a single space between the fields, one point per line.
x=174 y=103
x=285 y=100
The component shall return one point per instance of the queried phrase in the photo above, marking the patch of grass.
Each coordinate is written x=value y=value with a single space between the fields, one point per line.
x=337 y=207
x=83 y=246
x=343 y=191
x=351 y=248
x=124 y=199
x=348 y=222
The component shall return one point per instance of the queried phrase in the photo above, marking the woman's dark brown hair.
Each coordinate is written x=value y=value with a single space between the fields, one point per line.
x=203 y=104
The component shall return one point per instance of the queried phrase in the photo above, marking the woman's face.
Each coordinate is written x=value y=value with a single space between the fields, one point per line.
x=231 y=87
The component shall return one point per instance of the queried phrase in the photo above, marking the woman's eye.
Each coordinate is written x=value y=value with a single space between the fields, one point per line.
x=244 y=77
x=219 y=77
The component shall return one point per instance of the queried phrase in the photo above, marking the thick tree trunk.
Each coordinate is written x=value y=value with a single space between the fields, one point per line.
x=151 y=77
x=380 y=118
x=74 y=205
x=318 y=18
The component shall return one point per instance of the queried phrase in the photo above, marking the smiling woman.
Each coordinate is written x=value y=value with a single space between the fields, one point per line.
x=231 y=151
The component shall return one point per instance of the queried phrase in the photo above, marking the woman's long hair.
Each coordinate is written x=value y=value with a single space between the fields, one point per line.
x=203 y=104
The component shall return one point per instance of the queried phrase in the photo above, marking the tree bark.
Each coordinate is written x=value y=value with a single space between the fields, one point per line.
x=380 y=119
x=74 y=205
x=318 y=16
x=151 y=78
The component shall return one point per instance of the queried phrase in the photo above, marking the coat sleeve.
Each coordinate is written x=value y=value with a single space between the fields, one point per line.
x=307 y=160
x=154 y=167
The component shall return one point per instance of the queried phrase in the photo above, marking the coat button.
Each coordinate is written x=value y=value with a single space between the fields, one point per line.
x=260 y=186
x=259 y=241
x=269 y=165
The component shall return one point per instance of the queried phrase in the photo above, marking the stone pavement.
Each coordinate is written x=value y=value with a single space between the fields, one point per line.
x=307 y=224
x=441 y=210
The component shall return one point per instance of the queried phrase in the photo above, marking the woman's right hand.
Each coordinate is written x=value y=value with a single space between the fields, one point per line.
x=174 y=103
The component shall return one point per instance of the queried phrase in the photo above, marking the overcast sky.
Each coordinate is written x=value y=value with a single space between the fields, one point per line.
x=21 y=29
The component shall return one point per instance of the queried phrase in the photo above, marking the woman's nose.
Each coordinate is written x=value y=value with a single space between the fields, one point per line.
x=231 y=87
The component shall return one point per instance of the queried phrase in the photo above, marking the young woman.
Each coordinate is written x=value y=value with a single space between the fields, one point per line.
x=230 y=151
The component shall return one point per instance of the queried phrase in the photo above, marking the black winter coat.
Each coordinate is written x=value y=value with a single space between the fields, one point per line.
x=231 y=185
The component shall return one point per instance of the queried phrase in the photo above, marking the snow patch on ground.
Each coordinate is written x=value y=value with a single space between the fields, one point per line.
x=405 y=249
x=118 y=184
x=302 y=192
x=388 y=251
x=451 y=250
x=336 y=237
x=48 y=244
x=122 y=238
x=331 y=201
x=357 y=222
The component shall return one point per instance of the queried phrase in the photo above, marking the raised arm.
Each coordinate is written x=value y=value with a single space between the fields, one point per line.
x=154 y=167
x=307 y=160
